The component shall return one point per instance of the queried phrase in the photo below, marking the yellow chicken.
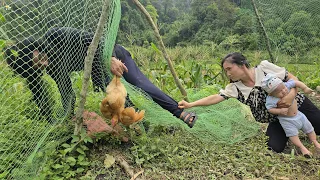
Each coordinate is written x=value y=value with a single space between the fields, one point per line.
x=130 y=116
x=112 y=106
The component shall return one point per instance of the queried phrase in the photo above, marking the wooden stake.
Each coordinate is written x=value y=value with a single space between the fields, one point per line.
x=88 y=65
x=264 y=32
x=162 y=47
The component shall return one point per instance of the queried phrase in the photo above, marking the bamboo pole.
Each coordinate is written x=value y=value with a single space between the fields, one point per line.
x=88 y=65
x=264 y=32
x=162 y=47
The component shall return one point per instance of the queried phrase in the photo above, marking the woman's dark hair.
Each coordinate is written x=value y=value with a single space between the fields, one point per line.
x=22 y=62
x=235 y=58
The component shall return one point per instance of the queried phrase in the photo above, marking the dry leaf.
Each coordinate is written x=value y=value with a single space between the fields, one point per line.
x=109 y=161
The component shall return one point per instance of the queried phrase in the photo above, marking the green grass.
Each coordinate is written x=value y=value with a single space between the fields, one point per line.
x=180 y=156
x=308 y=73
x=169 y=153
x=183 y=157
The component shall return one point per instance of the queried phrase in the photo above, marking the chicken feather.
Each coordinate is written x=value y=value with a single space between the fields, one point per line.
x=130 y=116
x=112 y=106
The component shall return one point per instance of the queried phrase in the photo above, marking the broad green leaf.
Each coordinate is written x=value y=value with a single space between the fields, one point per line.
x=79 y=150
x=75 y=139
x=89 y=139
x=68 y=150
x=57 y=166
x=71 y=159
x=65 y=145
x=79 y=170
x=80 y=157
x=84 y=147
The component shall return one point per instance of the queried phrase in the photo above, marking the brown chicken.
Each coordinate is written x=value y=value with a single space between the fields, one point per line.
x=130 y=116
x=112 y=106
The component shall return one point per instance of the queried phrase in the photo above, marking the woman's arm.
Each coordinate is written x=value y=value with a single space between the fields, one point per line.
x=279 y=111
x=286 y=101
x=213 y=99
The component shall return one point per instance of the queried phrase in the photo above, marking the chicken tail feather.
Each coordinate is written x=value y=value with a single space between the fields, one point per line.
x=130 y=116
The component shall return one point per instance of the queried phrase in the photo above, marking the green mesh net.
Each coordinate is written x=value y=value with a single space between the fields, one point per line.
x=291 y=27
x=25 y=135
x=227 y=122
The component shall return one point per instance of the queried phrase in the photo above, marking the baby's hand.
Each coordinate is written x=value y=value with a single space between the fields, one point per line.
x=284 y=111
x=307 y=90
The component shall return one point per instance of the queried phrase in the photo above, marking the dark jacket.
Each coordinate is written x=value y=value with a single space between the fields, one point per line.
x=66 y=49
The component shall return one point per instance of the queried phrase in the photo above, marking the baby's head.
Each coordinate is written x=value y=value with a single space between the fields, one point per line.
x=274 y=86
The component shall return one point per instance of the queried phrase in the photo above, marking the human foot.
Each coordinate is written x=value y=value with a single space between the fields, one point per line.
x=189 y=118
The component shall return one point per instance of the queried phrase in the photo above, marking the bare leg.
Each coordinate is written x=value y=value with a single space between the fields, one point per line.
x=296 y=141
x=313 y=138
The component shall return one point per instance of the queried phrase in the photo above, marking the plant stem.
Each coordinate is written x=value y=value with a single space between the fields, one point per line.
x=264 y=32
x=88 y=65
x=162 y=47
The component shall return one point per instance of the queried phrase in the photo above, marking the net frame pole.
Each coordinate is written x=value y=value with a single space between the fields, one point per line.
x=263 y=32
x=162 y=47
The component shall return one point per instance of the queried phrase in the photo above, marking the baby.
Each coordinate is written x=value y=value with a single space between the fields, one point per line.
x=291 y=119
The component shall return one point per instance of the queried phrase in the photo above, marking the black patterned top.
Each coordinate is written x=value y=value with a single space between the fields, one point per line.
x=255 y=97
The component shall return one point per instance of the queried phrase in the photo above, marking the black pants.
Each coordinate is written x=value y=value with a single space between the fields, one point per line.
x=135 y=77
x=277 y=137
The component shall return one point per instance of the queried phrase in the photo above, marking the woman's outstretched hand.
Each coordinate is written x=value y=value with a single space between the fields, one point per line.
x=184 y=104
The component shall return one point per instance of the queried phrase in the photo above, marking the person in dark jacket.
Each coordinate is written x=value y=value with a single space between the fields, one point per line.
x=63 y=50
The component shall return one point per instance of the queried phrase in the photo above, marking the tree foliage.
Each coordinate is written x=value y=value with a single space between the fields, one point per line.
x=292 y=25
x=227 y=23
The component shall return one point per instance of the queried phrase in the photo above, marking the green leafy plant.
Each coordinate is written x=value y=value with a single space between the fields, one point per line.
x=144 y=152
x=69 y=160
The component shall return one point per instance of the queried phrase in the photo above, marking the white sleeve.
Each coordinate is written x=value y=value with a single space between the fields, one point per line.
x=268 y=67
x=230 y=91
